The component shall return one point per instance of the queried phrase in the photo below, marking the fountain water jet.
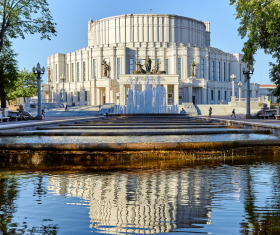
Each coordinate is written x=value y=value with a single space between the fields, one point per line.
x=152 y=99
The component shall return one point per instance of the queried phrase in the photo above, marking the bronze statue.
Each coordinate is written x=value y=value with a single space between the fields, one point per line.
x=148 y=62
x=193 y=65
x=156 y=67
x=49 y=74
x=105 y=68
x=140 y=68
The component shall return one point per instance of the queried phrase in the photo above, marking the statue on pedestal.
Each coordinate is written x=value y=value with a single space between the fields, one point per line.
x=156 y=67
x=193 y=69
x=105 y=68
x=49 y=74
x=148 y=63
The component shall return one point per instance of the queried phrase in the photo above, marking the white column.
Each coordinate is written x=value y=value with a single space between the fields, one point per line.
x=204 y=97
x=122 y=95
x=176 y=95
x=108 y=94
x=98 y=101
x=166 y=90
x=185 y=94
x=190 y=93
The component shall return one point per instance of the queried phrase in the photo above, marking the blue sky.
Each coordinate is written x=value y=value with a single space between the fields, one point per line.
x=72 y=16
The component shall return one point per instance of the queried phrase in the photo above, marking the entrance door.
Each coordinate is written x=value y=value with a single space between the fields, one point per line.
x=193 y=99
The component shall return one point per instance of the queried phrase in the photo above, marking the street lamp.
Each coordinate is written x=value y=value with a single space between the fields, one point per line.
x=247 y=73
x=240 y=85
x=63 y=91
x=232 y=78
x=38 y=71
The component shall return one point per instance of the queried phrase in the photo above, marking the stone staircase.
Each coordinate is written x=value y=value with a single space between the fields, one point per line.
x=190 y=109
x=222 y=109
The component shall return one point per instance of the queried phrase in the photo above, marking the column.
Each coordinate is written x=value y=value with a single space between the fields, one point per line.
x=204 y=97
x=190 y=93
x=185 y=94
x=122 y=95
x=98 y=96
x=176 y=95
x=107 y=94
x=166 y=90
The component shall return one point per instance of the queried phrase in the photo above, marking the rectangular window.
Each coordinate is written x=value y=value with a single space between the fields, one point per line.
x=118 y=67
x=230 y=93
x=85 y=95
x=72 y=97
x=219 y=95
x=229 y=71
x=202 y=68
x=66 y=96
x=212 y=95
x=56 y=73
x=78 y=94
x=224 y=71
x=72 y=72
x=84 y=71
x=219 y=71
x=67 y=73
x=225 y=95
x=94 y=69
x=130 y=66
x=213 y=64
x=166 y=66
x=179 y=67
x=78 y=71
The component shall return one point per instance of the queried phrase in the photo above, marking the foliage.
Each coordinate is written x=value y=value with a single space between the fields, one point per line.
x=25 y=16
x=8 y=71
x=259 y=21
x=25 y=85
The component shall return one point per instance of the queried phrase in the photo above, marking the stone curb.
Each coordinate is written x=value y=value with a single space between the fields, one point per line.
x=141 y=146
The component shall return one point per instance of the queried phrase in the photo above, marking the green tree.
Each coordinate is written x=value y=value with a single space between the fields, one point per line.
x=259 y=21
x=24 y=86
x=8 y=71
x=17 y=18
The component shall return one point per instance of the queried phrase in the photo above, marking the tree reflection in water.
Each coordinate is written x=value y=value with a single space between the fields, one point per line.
x=262 y=220
x=9 y=193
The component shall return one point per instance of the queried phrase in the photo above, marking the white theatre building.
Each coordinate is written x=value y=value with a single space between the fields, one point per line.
x=122 y=41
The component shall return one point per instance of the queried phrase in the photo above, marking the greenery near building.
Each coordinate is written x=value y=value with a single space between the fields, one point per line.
x=18 y=18
x=259 y=22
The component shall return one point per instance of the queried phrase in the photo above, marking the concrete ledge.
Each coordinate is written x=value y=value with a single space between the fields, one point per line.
x=133 y=133
x=142 y=146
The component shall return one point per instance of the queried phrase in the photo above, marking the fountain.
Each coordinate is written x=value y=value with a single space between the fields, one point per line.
x=150 y=100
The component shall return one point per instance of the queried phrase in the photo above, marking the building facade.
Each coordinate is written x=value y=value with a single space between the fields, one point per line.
x=126 y=40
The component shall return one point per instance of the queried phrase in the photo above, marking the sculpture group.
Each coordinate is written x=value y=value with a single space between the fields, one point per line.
x=148 y=63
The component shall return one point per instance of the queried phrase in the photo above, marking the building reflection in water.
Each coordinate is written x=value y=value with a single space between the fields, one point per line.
x=141 y=203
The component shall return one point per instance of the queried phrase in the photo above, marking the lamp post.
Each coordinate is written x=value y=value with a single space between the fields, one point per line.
x=240 y=85
x=38 y=71
x=63 y=91
x=232 y=78
x=247 y=74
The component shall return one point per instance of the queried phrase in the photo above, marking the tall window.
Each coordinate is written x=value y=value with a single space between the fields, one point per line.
x=224 y=71
x=219 y=71
x=56 y=73
x=84 y=70
x=72 y=72
x=94 y=68
x=130 y=66
x=166 y=66
x=78 y=71
x=179 y=67
x=219 y=95
x=213 y=64
x=72 y=97
x=78 y=94
x=67 y=73
x=66 y=96
x=212 y=95
x=85 y=95
x=225 y=95
x=229 y=71
x=202 y=68
x=118 y=67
